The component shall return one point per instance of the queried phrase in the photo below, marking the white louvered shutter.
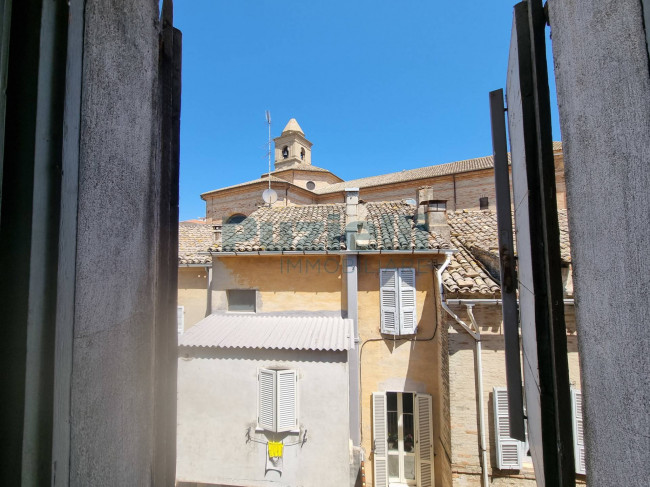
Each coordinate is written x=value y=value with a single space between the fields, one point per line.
x=508 y=449
x=287 y=387
x=424 y=440
x=389 y=299
x=180 y=319
x=578 y=434
x=379 y=438
x=408 y=319
x=266 y=399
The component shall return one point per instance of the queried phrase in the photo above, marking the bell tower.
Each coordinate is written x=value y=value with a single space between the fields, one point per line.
x=292 y=147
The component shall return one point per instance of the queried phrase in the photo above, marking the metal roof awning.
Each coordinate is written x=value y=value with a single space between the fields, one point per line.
x=271 y=331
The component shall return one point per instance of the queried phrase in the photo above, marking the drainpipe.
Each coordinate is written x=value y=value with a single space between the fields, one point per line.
x=478 y=373
x=208 y=308
x=478 y=369
x=351 y=275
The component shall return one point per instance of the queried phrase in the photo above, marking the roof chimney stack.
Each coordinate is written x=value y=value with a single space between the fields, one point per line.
x=432 y=213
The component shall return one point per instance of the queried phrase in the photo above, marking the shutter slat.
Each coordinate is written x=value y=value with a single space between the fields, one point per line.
x=388 y=279
x=508 y=449
x=424 y=439
x=408 y=316
x=379 y=436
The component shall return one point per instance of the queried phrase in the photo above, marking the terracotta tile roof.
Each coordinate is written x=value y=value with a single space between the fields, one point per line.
x=390 y=226
x=477 y=230
x=465 y=275
x=192 y=239
x=475 y=268
x=467 y=165
x=309 y=227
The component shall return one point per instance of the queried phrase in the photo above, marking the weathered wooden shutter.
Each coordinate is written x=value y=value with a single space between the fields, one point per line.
x=287 y=387
x=424 y=439
x=379 y=438
x=408 y=319
x=266 y=399
x=389 y=296
x=578 y=434
x=508 y=449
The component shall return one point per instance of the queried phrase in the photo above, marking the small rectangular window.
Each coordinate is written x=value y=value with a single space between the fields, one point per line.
x=484 y=203
x=241 y=300
x=397 y=301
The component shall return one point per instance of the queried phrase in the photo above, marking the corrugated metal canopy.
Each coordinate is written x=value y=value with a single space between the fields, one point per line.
x=292 y=332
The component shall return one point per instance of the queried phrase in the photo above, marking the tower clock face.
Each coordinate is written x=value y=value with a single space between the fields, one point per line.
x=285 y=152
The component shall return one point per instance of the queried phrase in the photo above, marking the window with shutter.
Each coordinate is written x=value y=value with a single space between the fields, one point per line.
x=388 y=295
x=397 y=297
x=408 y=322
x=379 y=439
x=508 y=449
x=424 y=439
x=578 y=434
x=277 y=400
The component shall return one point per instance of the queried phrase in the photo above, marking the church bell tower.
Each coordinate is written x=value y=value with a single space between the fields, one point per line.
x=292 y=147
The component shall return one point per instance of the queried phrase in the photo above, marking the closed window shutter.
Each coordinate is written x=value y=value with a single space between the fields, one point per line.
x=424 y=439
x=287 y=418
x=389 y=299
x=266 y=399
x=379 y=438
x=508 y=449
x=407 y=301
x=578 y=433
x=180 y=319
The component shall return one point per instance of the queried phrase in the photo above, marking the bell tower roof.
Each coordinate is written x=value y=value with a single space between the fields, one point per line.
x=292 y=126
x=292 y=147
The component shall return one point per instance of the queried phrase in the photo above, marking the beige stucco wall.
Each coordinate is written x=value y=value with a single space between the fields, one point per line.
x=192 y=293
x=284 y=283
x=463 y=416
x=399 y=365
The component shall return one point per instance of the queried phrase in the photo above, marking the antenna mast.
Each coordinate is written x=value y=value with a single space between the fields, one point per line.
x=268 y=121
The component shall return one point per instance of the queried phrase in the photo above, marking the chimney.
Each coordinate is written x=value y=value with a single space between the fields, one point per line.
x=432 y=213
x=356 y=235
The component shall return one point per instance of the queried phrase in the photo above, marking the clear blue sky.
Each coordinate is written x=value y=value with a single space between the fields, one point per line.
x=378 y=86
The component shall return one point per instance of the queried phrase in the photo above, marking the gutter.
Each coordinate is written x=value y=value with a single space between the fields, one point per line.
x=472 y=302
x=447 y=252
x=478 y=368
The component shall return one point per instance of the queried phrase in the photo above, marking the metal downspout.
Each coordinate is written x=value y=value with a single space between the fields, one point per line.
x=478 y=368
x=478 y=371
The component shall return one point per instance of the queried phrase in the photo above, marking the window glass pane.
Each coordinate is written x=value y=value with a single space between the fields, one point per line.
x=409 y=438
x=241 y=299
x=392 y=430
x=409 y=466
x=407 y=400
x=393 y=466
x=391 y=401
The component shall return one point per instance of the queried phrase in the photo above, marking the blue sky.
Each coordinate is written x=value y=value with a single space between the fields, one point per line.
x=378 y=86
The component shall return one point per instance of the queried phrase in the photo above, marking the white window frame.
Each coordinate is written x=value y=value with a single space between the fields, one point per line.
x=180 y=319
x=277 y=400
x=397 y=301
x=423 y=429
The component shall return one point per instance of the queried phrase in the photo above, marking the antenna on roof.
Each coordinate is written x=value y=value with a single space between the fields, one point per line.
x=269 y=195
